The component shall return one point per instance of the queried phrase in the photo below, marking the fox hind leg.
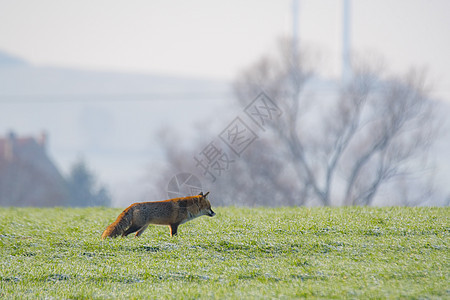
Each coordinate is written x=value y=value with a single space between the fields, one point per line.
x=140 y=231
x=173 y=229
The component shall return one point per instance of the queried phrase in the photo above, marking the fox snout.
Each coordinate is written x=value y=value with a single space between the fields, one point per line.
x=211 y=213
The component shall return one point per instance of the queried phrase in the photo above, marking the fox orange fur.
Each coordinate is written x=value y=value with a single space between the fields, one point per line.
x=172 y=212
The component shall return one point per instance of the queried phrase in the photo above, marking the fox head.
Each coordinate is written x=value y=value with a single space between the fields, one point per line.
x=205 y=206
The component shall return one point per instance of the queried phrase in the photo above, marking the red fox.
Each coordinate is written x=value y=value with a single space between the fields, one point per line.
x=172 y=212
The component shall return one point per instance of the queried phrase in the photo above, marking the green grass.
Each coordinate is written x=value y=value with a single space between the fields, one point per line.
x=240 y=253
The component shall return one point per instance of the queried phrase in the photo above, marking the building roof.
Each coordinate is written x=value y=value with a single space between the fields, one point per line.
x=28 y=177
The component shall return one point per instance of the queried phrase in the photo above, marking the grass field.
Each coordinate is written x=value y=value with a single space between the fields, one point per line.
x=240 y=253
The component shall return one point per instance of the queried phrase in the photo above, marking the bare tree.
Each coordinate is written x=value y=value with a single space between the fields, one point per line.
x=399 y=129
x=346 y=146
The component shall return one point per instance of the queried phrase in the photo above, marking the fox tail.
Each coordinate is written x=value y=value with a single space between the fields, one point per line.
x=120 y=226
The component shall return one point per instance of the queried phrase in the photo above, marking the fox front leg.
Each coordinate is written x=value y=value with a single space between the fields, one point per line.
x=140 y=231
x=173 y=229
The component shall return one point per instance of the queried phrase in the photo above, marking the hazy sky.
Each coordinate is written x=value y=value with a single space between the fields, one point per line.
x=216 y=39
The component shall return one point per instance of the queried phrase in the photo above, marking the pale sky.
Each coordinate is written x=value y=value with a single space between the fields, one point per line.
x=217 y=39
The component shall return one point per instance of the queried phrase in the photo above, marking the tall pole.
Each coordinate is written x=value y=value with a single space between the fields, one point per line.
x=295 y=40
x=346 y=60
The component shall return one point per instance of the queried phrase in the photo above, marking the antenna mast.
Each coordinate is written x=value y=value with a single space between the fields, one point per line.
x=295 y=40
x=346 y=62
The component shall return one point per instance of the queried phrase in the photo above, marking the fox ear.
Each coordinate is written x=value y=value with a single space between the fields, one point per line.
x=206 y=194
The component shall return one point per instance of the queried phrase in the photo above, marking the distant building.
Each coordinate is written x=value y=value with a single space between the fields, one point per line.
x=27 y=175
